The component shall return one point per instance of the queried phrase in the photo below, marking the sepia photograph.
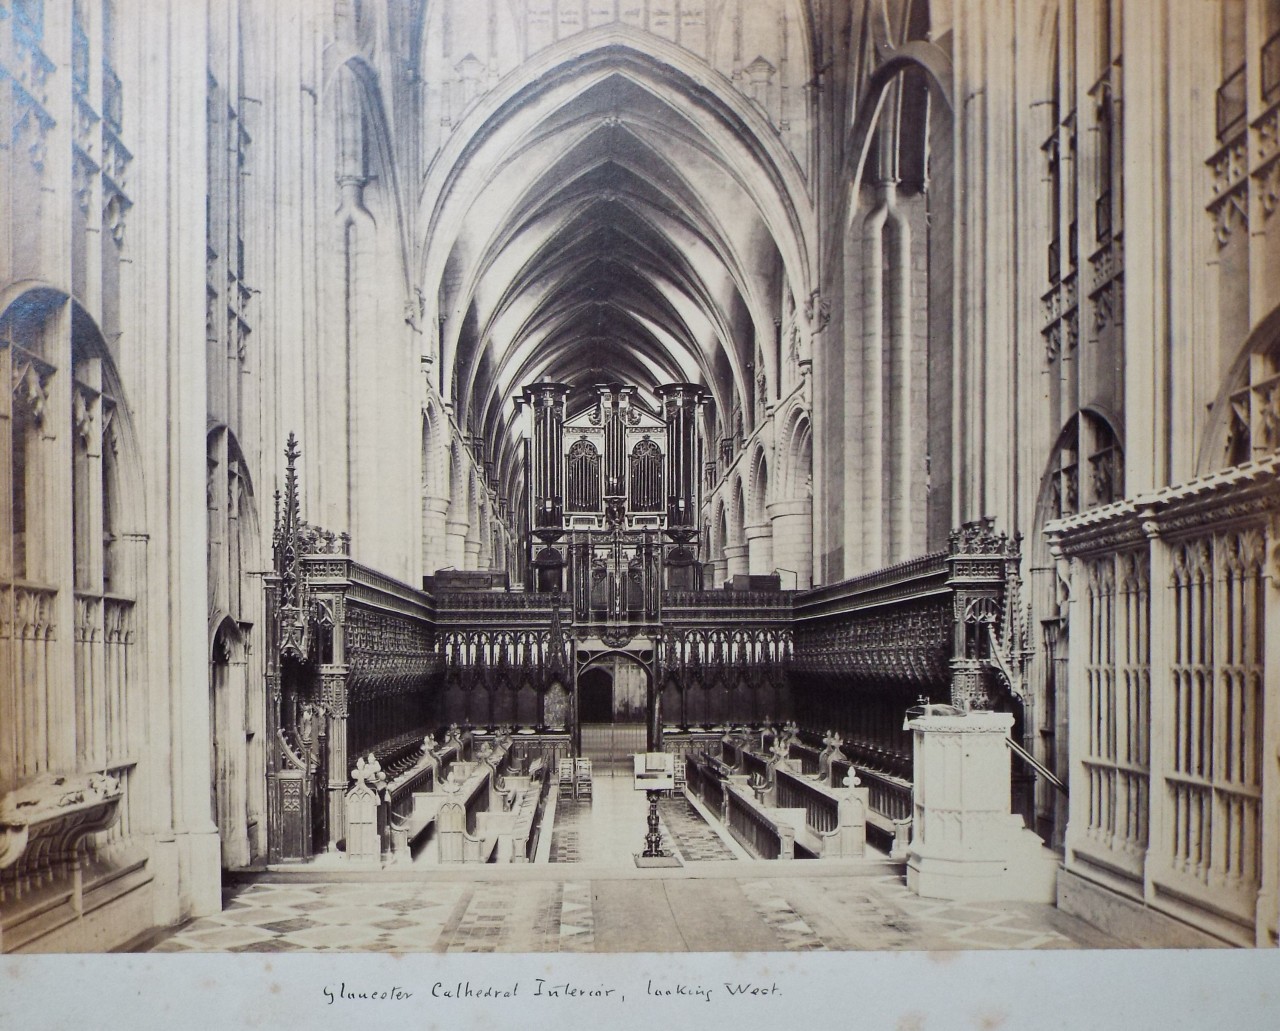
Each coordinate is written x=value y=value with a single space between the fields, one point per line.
x=615 y=511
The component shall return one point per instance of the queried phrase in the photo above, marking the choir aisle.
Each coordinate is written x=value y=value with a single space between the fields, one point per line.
x=608 y=828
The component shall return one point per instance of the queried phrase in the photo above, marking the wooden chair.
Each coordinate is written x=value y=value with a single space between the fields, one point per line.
x=582 y=768
x=565 y=773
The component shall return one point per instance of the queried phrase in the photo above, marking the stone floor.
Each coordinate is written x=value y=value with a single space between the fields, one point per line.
x=609 y=827
x=760 y=910
x=588 y=896
x=693 y=840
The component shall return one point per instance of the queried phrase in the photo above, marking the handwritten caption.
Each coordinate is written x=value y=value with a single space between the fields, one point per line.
x=542 y=988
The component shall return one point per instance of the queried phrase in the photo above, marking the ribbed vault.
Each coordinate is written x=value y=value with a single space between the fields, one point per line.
x=611 y=219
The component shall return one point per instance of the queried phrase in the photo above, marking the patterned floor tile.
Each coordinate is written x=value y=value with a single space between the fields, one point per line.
x=692 y=838
x=577 y=918
x=224 y=938
x=349 y=915
x=794 y=933
x=297 y=923
x=257 y=915
x=332 y=936
x=483 y=927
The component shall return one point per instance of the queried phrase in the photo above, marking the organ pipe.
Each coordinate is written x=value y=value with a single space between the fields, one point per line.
x=547 y=400
x=680 y=402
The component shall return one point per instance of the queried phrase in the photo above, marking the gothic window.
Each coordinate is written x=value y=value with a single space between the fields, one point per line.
x=1270 y=52
x=1061 y=318
x=93 y=441
x=79 y=49
x=1087 y=469
x=584 y=477
x=1106 y=189
x=1230 y=110
x=61 y=409
x=27 y=421
x=646 y=477
x=1254 y=410
x=1106 y=208
x=1053 y=170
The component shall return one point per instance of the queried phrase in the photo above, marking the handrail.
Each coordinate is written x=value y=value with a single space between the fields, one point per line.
x=1035 y=764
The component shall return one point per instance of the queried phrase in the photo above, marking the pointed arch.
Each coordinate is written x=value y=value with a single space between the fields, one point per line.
x=758 y=495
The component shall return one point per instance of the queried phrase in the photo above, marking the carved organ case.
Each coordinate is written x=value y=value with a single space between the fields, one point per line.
x=613 y=495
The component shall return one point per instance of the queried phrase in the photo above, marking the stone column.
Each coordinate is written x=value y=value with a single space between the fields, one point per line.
x=735 y=559
x=1267 y=915
x=181 y=615
x=456 y=541
x=471 y=547
x=966 y=844
x=484 y=542
x=435 y=544
x=759 y=548
x=793 y=539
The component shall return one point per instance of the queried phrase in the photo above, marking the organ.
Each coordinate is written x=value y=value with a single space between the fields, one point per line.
x=613 y=496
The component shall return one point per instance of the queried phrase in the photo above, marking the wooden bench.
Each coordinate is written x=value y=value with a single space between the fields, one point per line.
x=412 y=803
x=888 y=805
x=835 y=820
x=513 y=827
x=473 y=787
x=523 y=835
x=457 y=844
x=766 y=833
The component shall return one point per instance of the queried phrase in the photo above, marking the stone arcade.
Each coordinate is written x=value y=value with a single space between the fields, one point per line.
x=417 y=406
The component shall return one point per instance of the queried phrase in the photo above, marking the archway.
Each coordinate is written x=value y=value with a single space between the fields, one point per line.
x=595 y=696
x=613 y=709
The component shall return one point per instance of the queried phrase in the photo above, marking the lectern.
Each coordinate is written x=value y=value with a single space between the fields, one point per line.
x=654 y=772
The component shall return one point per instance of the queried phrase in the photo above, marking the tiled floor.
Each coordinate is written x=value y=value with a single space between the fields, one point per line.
x=601 y=902
x=608 y=828
x=763 y=910
x=694 y=840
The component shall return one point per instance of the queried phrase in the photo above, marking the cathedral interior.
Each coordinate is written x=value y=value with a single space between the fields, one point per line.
x=862 y=416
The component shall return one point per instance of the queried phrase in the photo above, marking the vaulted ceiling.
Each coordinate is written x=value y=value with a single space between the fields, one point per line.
x=611 y=219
